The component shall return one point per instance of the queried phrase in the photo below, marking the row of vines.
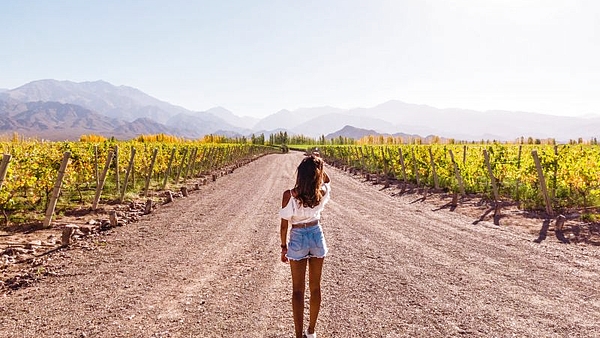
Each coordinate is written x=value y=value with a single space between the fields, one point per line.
x=571 y=172
x=132 y=169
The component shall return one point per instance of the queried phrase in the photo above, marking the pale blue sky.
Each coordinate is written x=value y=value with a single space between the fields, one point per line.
x=257 y=57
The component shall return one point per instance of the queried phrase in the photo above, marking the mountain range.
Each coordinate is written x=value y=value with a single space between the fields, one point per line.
x=59 y=110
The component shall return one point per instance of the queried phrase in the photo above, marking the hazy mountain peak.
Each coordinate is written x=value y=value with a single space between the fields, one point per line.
x=232 y=119
x=351 y=132
x=291 y=119
x=119 y=102
x=219 y=111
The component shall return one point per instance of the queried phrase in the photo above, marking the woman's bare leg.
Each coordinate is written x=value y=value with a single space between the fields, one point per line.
x=315 y=267
x=298 y=287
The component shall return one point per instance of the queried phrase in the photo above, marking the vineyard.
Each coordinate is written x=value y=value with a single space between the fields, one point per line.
x=81 y=174
x=551 y=177
x=557 y=178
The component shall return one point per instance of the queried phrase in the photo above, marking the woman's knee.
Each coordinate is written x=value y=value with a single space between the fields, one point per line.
x=315 y=291
x=298 y=294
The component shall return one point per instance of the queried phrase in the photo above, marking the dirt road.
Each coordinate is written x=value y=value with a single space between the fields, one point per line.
x=208 y=266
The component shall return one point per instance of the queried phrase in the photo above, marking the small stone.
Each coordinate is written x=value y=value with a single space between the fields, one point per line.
x=67 y=232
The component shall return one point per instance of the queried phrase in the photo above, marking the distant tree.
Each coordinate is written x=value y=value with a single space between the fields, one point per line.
x=92 y=138
x=322 y=140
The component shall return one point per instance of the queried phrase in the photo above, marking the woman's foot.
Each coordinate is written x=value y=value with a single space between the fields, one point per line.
x=310 y=335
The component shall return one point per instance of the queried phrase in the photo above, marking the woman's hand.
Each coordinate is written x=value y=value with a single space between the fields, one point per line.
x=283 y=253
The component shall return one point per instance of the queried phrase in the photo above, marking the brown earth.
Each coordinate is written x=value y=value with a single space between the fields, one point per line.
x=399 y=266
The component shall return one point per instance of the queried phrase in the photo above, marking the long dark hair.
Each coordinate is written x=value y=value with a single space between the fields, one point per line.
x=309 y=179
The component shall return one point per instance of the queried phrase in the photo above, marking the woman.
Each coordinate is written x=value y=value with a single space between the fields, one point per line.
x=301 y=207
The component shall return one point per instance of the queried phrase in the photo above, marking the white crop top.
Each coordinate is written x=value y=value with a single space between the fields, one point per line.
x=295 y=213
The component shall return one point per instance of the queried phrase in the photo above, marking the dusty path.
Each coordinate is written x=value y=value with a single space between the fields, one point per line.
x=208 y=266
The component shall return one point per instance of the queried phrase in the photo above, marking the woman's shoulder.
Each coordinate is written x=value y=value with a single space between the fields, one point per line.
x=287 y=195
x=290 y=193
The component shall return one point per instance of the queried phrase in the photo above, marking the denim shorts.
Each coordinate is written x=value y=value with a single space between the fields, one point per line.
x=306 y=243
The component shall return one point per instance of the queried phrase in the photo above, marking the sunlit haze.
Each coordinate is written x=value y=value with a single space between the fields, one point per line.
x=255 y=58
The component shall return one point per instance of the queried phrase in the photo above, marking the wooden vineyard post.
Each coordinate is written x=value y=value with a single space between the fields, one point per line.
x=346 y=158
x=56 y=189
x=4 y=168
x=461 y=186
x=518 y=169
x=415 y=166
x=402 y=165
x=102 y=180
x=542 y=181
x=553 y=191
x=356 y=162
x=151 y=169
x=384 y=156
x=117 y=178
x=190 y=163
x=168 y=172
x=133 y=177
x=216 y=159
x=199 y=165
x=206 y=161
x=372 y=156
x=129 y=170
x=486 y=156
x=96 y=165
x=464 y=155
x=436 y=182
x=181 y=165
x=363 y=166
x=198 y=160
x=195 y=162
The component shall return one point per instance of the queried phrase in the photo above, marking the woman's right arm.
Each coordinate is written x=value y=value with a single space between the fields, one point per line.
x=283 y=228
